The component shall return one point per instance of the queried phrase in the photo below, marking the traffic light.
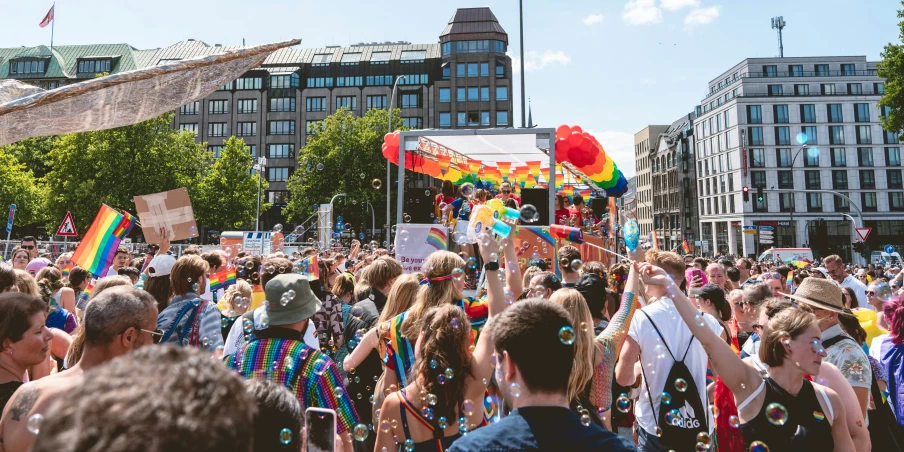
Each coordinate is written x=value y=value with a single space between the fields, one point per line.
x=759 y=194
x=746 y=191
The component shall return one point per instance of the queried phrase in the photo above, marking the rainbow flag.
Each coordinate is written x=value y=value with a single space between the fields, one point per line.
x=309 y=267
x=125 y=225
x=66 y=270
x=685 y=247
x=654 y=240
x=436 y=238
x=222 y=279
x=790 y=280
x=98 y=246
x=86 y=294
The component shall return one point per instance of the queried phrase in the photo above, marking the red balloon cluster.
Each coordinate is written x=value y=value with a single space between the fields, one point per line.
x=391 y=147
x=579 y=148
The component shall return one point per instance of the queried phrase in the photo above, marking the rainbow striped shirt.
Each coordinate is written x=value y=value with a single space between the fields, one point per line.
x=281 y=356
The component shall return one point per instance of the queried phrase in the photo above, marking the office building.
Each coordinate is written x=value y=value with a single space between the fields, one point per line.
x=463 y=81
x=644 y=141
x=672 y=184
x=790 y=127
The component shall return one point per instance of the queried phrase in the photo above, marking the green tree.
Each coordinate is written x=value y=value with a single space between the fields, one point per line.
x=227 y=194
x=349 y=150
x=34 y=153
x=891 y=68
x=19 y=186
x=111 y=166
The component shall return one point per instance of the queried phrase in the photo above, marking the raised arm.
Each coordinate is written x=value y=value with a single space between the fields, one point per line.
x=740 y=377
x=513 y=278
x=362 y=350
x=483 y=348
x=610 y=341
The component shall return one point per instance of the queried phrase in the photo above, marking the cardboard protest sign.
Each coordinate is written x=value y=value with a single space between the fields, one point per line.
x=170 y=210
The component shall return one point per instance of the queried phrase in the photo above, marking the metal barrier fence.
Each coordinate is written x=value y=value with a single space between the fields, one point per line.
x=57 y=248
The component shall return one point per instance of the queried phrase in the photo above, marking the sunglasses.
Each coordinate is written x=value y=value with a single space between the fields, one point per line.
x=506 y=191
x=156 y=335
x=27 y=247
x=869 y=292
x=775 y=275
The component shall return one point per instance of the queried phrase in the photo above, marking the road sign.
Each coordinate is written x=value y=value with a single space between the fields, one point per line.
x=766 y=234
x=67 y=227
x=863 y=232
x=766 y=228
x=889 y=249
x=766 y=242
x=750 y=231
x=750 y=228
x=12 y=215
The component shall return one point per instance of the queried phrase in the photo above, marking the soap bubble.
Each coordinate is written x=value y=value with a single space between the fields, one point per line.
x=566 y=335
x=360 y=432
x=34 y=423
x=576 y=265
x=529 y=213
x=776 y=413
x=883 y=291
x=681 y=385
x=285 y=436
x=376 y=184
x=320 y=167
x=623 y=403
x=277 y=228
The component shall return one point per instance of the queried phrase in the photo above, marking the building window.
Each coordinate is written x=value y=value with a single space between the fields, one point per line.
x=190 y=108
x=321 y=59
x=896 y=201
x=839 y=179
x=761 y=206
x=892 y=157
x=189 y=127
x=246 y=129
x=460 y=94
x=502 y=93
x=218 y=107
x=226 y=87
x=247 y=83
x=462 y=119
x=861 y=112
x=754 y=114
x=757 y=158
x=802 y=90
x=785 y=202
x=277 y=197
x=839 y=157
x=413 y=56
x=280 y=151
x=502 y=118
x=350 y=59
x=500 y=70
x=755 y=136
x=770 y=71
x=461 y=70
x=447 y=72
x=822 y=70
x=812 y=180
x=869 y=202
x=413 y=122
x=282 y=128
x=380 y=80
x=836 y=134
x=277 y=174
x=349 y=81
x=414 y=79
x=855 y=88
x=781 y=114
x=312 y=127
x=27 y=67
x=776 y=90
x=484 y=94
x=836 y=113
x=348 y=102
x=484 y=118
x=890 y=137
x=376 y=102
x=473 y=94
x=94 y=66
x=380 y=57
x=284 y=81
x=878 y=88
x=727 y=119
x=864 y=135
x=783 y=158
x=250 y=105
x=785 y=180
x=865 y=156
x=848 y=69
x=411 y=100
x=218 y=129
x=281 y=104
x=445 y=120
x=473 y=70
x=809 y=135
x=796 y=70
x=481 y=46
x=808 y=113
x=868 y=179
x=758 y=179
x=445 y=95
x=316 y=104
x=814 y=202
x=320 y=82
x=842 y=204
x=783 y=136
x=893 y=176
x=215 y=150
x=828 y=89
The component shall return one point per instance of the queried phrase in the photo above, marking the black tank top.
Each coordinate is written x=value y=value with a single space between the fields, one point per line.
x=806 y=427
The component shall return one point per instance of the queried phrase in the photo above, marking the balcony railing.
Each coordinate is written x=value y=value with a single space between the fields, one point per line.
x=868 y=72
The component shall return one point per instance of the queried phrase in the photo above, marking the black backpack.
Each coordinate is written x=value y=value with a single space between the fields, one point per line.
x=684 y=416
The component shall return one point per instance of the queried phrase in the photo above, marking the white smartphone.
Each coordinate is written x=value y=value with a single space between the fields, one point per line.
x=320 y=424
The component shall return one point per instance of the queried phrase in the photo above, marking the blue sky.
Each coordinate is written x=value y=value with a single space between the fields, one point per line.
x=610 y=66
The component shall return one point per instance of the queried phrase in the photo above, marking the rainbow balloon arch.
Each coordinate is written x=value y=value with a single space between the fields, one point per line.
x=581 y=165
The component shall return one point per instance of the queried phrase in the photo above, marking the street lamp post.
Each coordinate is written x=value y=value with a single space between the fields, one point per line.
x=388 y=167
x=260 y=166
x=793 y=200
x=330 y=220
x=373 y=221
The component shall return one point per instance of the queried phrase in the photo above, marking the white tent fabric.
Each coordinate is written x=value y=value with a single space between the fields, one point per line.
x=517 y=149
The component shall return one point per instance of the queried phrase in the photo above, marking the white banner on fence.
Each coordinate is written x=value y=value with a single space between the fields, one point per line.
x=415 y=242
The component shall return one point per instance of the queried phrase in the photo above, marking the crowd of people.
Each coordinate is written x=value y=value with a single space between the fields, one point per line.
x=660 y=352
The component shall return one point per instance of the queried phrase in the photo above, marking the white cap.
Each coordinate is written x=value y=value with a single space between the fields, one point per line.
x=161 y=265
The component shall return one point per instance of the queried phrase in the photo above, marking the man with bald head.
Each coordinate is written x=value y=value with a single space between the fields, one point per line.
x=117 y=321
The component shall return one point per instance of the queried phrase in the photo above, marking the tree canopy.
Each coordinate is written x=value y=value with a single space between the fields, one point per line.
x=226 y=195
x=891 y=68
x=19 y=186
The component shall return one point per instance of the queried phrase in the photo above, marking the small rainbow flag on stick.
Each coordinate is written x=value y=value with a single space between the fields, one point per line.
x=222 y=279
x=685 y=247
x=86 y=294
x=66 y=270
x=654 y=240
x=309 y=267
x=98 y=246
x=436 y=238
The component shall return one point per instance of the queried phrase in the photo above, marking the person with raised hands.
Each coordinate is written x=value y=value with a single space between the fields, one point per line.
x=784 y=411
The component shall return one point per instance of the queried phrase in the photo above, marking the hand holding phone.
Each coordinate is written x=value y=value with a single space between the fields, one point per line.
x=320 y=424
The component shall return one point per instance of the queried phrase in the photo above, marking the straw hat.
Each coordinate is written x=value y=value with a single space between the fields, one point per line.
x=819 y=294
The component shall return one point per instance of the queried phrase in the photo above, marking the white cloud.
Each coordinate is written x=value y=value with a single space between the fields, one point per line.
x=619 y=146
x=534 y=61
x=647 y=81
x=674 y=5
x=593 y=19
x=702 y=16
x=639 y=12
